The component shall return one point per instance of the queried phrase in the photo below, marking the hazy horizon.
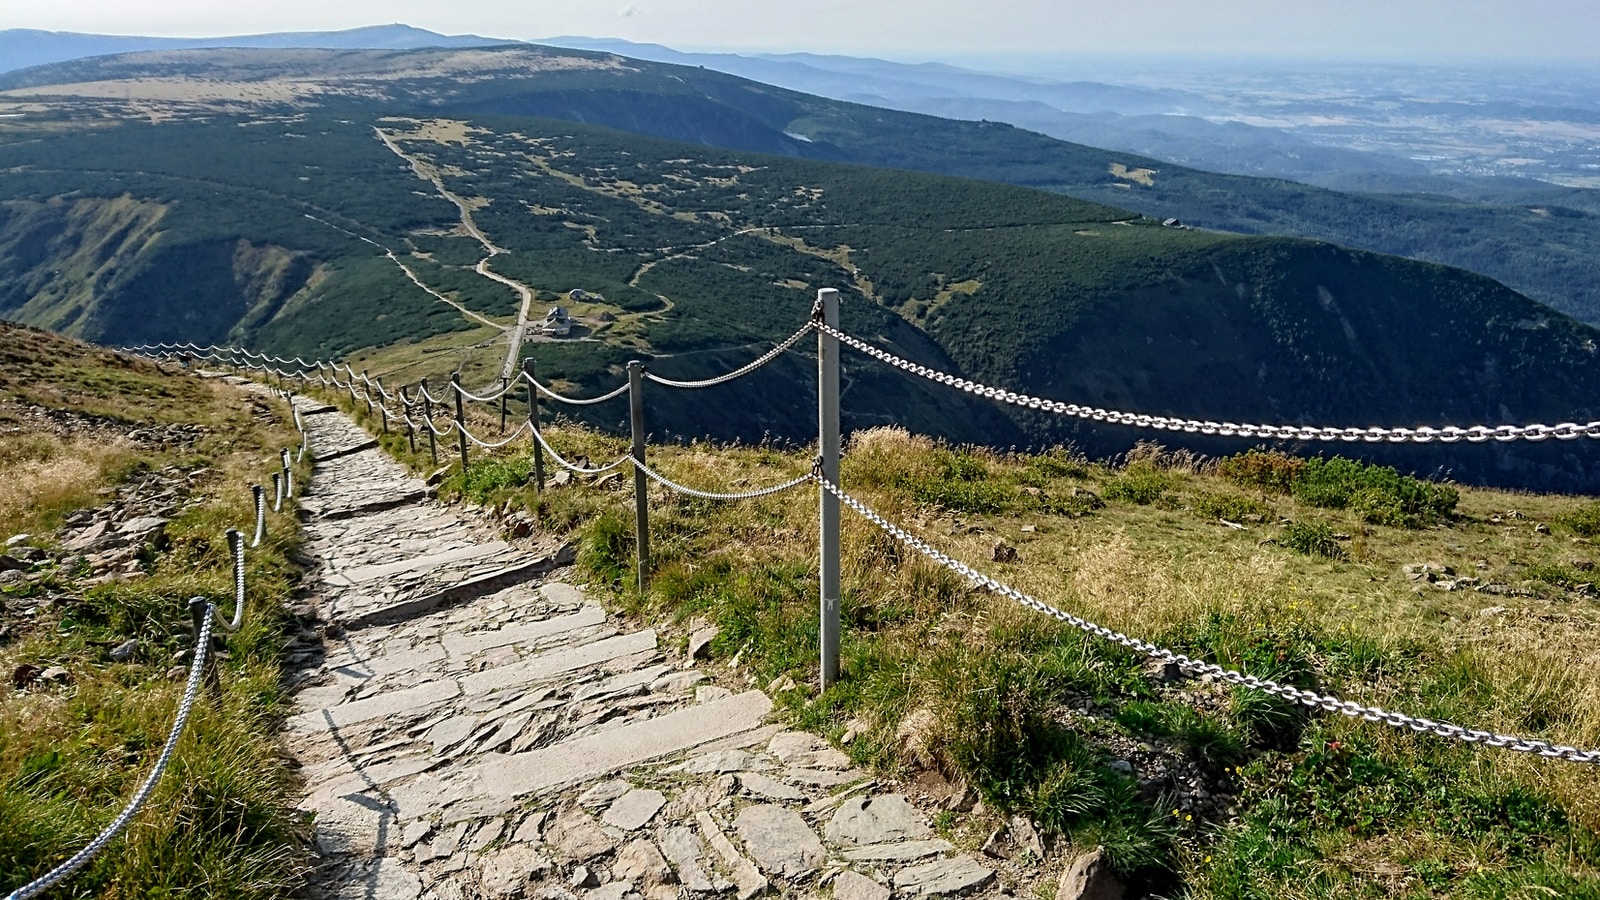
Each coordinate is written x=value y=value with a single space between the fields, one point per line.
x=1001 y=33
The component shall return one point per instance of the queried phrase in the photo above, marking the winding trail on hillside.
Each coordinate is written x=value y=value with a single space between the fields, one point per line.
x=475 y=725
x=431 y=175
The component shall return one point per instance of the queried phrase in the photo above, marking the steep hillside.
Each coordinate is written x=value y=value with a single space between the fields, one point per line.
x=1547 y=251
x=337 y=233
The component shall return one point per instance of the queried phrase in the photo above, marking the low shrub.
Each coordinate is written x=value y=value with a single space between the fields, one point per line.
x=1584 y=522
x=1232 y=507
x=1379 y=494
x=1312 y=539
x=1260 y=469
x=1142 y=484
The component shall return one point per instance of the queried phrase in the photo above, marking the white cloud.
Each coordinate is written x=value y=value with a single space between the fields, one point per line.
x=629 y=11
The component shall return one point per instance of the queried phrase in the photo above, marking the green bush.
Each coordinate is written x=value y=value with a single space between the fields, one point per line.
x=1379 y=494
x=1261 y=469
x=484 y=478
x=1584 y=522
x=1232 y=507
x=1312 y=539
x=1143 y=485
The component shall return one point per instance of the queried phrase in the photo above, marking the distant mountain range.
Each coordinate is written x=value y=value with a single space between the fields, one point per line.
x=21 y=48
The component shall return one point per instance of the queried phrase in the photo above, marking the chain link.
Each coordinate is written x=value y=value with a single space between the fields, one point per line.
x=573 y=401
x=736 y=374
x=707 y=495
x=1198 y=667
x=64 y=871
x=560 y=461
x=1449 y=434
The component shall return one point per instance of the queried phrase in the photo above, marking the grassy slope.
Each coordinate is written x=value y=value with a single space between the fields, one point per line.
x=71 y=755
x=944 y=681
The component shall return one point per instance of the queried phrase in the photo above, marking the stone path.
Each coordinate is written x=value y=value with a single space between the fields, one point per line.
x=477 y=728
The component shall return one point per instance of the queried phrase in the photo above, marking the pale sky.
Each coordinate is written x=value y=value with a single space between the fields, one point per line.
x=1402 y=30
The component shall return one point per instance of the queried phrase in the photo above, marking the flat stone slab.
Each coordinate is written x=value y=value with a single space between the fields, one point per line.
x=408 y=702
x=634 y=810
x=518 y=775
x=781 y=842
x=946 y=876
x=848 y=885
x=904 y=851
x=465 y=646
x=353 y=577
x=877 y=819
x=544 y=666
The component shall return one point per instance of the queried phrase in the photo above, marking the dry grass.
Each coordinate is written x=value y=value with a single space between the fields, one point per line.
x=43 y=477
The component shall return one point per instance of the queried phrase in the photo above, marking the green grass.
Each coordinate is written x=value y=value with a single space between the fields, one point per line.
x=222 y=821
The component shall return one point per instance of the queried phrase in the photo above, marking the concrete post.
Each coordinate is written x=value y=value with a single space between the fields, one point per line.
x=461 y=418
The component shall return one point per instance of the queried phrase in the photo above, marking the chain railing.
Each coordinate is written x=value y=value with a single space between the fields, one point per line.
x=1201 y=668
x=1448 y=434
x=829 y=332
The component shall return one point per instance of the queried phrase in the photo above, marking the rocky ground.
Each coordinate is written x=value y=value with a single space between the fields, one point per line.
x=475 y=726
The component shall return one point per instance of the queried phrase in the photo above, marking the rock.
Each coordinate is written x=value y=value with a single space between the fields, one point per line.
x=749 y=879
x=143 y=530
x=710 y=693
x=676 y=682
x=437 y=475
x=1491 y=612
x=683 y=848
x=1541 y=528
x=560 y=478
x=509 y=871
x=1003 y=552
x=876 y=820
x=582 y=878
x=1026 y=837
x=603 y=793
x=54 y=675
x=1029 y=529
x=528 y=831
x=24 y=675
x=17 y=540
x=1583 y=565
x=641 y=863
x=579 y=837
x=780 y=840
x=1089 y=877
x=945 y=876
x=700 y=642
x=1162 y=670
x=848 y=885
x=634 y=810
x=12 y=564
x=1121 y=765
x=124 y=651
x=415 y=832
x=785 y=683
x=723 y=761
x=769 y=788
x=616 y=890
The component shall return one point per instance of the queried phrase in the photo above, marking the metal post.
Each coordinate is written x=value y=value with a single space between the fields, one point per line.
x=427 y=416
x=641 y=487
x=383 y=407
x=461 y=418
x=533 y=423
x=261 y=514
x=505 y=388
x=411 y=433
x=828 y=451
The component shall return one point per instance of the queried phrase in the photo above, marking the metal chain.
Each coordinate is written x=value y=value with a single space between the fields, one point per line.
x=489 y=399
x=707 y=495
x=82 y=857
x=539 y=436
x=1197 y=667
x=492 y=446
x=562 y=398
x=1448 y=434
x=768 y=357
